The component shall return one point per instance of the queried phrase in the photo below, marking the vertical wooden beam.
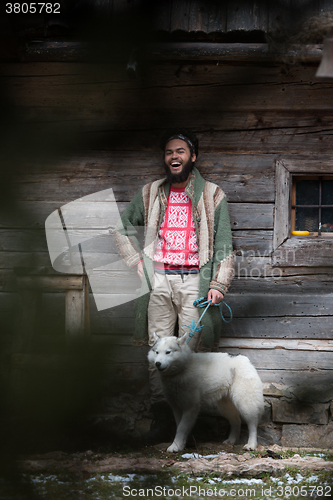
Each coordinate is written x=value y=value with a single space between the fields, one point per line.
x=282 y=204
x=247 y=16
x=27 y=322
x=75 y=307
x=279 y=17
x=162 y=15
x=86 y=306
x=26 y=330
x=180 y=15
x=207 y=16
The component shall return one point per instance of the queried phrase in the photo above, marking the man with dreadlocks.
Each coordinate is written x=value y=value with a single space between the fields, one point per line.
x=187 y=254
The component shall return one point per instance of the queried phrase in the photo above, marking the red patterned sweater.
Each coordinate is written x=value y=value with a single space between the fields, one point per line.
x=177 y=241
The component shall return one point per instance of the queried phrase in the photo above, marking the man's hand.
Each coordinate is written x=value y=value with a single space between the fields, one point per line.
x=139 y=269
x=215 y=295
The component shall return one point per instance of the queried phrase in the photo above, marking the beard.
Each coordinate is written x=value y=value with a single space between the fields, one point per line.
x=182 y=176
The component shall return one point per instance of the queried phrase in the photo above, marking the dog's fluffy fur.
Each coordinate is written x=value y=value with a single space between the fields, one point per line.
x=191 y=380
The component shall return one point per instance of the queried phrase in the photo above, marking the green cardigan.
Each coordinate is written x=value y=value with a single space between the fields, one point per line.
x=216 y=256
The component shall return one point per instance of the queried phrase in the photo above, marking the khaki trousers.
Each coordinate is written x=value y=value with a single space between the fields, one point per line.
x=172 y=298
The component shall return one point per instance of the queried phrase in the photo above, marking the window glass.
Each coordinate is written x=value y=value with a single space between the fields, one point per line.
x=327 y=193
x=307 y=192
x=312 y=205
x=327 y=220
x=306 y=219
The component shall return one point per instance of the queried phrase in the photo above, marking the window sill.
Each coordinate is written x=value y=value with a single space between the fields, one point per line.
x=304 y=251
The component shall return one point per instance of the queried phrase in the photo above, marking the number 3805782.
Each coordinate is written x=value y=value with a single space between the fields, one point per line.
x=32 y=8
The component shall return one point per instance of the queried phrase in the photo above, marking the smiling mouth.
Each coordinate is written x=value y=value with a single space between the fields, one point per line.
x=175 y=164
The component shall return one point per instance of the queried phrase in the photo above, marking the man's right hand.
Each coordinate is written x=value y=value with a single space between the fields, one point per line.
x=139 y=269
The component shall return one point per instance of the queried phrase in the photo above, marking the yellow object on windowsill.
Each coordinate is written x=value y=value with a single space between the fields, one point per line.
x=300 y=233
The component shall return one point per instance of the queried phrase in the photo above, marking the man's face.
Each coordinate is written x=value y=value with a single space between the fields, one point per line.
x=178 y=160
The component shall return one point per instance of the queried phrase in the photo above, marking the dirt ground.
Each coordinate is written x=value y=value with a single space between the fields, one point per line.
x=207 y=470
x=208 y=458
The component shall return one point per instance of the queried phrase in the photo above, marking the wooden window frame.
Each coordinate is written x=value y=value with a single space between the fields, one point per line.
x=294 y=205
x=288 y=250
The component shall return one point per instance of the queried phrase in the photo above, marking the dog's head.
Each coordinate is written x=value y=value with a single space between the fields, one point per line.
x=169 y=354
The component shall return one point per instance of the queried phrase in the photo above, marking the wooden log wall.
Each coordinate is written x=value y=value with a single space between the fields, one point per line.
x=246 y=117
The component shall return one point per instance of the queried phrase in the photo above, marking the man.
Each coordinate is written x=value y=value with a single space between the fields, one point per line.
x=187 y=254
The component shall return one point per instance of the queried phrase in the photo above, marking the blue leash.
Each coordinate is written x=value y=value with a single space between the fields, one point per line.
x=202 y=302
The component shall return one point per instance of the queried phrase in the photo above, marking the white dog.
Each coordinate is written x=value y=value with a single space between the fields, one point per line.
x=191 y=380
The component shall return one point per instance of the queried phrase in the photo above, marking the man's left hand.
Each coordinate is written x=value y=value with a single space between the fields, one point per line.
x=215 y=295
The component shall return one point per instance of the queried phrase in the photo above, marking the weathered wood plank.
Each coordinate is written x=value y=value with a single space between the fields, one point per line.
x=280 y=305
x=296 y=271
x=242 y=178
x=207 y=17
x=304 y=251
x=227 y=52
x=304 y=333
x=75 y=309
x=160 y=75
x=180 y=15
x=120 y=330
x=271 y=136
x=252 y=247
x=254 y=267
x=29 y=240
x=11 y=259
x=247 y=16
x=279 y=17
x=252 y=273
x=312 y=284
x=269 y=344
x=253 y=242
x=236 y=89
x=311 y=379
x=251 y=216
x=307 y=327
x=250 y=268
x=307 y=140
x=262 y=359
x=255 y=101
x=54 y=282
x=198 y=16
x=265 y=305
x=316 y=383
x=263 y=125
x=27 y=319
x=288 y=360
x=282 y=205
x=316 y=166
x=162 y=16
x=242 y=216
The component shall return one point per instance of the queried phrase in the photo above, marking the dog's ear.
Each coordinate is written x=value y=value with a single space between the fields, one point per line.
x=156 y=337
x=181 y=341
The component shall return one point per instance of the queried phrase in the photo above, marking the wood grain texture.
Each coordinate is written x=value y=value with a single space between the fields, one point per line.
x=266 y=109
x=282 y=205
x=243 y=178
x=247 y=16
x=75 y=313
x=247 y=118
x=297 y=251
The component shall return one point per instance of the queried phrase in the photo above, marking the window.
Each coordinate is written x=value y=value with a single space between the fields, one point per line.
x=303 y=202
x=312 y=205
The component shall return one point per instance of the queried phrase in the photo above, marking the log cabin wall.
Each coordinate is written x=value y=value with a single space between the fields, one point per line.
x=248 y=117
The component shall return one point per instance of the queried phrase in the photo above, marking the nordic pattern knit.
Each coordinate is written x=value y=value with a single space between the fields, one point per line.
x=216 y=257
x=177 y=239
